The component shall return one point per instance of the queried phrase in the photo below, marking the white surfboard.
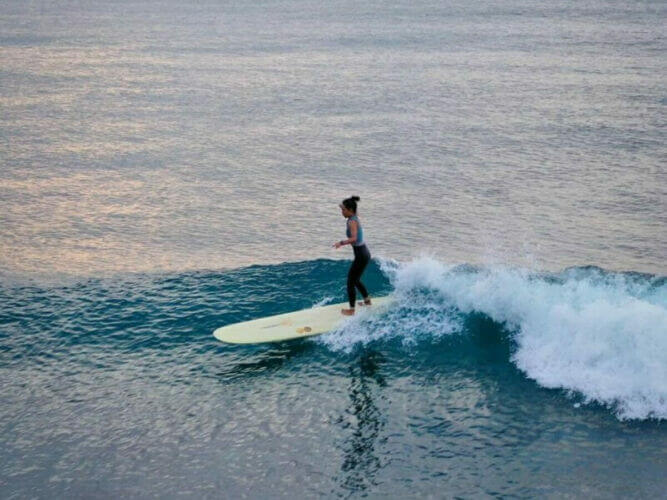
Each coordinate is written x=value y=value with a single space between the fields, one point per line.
x=293 y=325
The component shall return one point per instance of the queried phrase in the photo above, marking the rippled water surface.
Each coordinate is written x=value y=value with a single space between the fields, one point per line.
x=167 y=168
x=165 y=135
x=117 y=386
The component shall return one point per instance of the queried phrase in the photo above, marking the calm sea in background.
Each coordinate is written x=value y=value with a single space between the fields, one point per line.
x=169 y=167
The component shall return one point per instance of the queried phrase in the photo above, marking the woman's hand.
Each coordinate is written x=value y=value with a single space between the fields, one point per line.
x=338 y=244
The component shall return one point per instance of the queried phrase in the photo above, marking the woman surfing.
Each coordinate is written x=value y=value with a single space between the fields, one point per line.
x=355 y=237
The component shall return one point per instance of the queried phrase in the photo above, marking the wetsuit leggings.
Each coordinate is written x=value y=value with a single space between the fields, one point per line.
x=361 y=258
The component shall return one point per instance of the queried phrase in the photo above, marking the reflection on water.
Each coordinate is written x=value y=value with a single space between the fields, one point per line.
x=264 y=364
x=365 y=422
x=531 y=133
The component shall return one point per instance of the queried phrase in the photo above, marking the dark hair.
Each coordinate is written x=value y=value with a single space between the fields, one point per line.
x=351 y=203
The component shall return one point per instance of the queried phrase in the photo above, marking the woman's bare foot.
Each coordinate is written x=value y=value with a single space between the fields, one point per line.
x=348 y=312
x=366 y=302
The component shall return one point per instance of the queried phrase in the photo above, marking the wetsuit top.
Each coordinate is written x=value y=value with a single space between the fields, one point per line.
x=360 y=232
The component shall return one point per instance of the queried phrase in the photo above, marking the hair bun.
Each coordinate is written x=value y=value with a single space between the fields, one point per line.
x=355 y=198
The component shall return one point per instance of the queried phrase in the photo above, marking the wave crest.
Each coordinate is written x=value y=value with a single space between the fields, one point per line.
x=599 y=334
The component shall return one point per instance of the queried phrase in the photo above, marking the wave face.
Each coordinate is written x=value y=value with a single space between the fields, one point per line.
x=595 y=334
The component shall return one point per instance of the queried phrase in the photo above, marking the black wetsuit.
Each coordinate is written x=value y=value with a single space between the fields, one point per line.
x=362 y=257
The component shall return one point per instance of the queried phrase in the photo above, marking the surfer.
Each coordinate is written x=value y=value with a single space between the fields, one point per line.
x=355 y=237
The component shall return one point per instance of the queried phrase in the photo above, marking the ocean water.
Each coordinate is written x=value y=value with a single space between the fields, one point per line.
x=170 y=167
x=143 y=136
x=479 y=382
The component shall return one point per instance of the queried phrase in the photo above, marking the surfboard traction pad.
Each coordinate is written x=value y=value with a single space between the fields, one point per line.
x=289 y=322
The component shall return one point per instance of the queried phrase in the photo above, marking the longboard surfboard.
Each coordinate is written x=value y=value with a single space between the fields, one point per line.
x=293 y=325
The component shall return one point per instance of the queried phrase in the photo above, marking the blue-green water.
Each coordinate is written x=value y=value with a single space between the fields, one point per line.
x=477 y=382
x=169 y=167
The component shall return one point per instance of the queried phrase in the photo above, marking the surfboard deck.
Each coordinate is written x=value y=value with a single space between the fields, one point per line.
x=293 y=325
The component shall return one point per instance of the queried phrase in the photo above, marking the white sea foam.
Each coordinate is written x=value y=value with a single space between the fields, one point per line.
x=325 y=301
x=601 y=335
